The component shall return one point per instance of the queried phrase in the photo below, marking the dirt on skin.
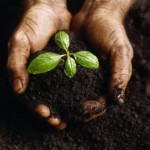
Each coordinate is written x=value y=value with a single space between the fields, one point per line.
x=121 y=128
x=65 y=96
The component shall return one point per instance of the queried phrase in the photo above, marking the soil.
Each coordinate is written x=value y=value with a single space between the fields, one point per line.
x=121 y=128
x=65 y=96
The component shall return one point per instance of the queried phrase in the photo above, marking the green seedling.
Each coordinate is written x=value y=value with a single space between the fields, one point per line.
x=50 y=60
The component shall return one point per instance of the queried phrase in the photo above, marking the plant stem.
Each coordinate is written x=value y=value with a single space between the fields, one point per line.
x=68 y=54
x=63 y=55
x=71 y=53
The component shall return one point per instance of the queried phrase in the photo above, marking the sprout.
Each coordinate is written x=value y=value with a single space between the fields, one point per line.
x=49 y=61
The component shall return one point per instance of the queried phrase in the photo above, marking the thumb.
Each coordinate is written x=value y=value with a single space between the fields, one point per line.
x=32 y=34
x=78 y=22
x=121 y=69
x=19 y=50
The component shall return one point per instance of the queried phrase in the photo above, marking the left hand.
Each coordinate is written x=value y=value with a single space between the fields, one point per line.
x=42 y=18
x=101 y=21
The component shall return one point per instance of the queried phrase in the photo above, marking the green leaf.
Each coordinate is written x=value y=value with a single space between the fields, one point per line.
x=62 y=40
x=44 y=63
x=86 y=59
x=70 y=67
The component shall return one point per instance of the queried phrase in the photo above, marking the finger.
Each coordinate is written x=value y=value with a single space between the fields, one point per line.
x=94 y=109
x=94 y=116
x=33 y=24
x=66 y=19
x=43 y=111
x=77 y=23
x=61 y=126
x=54 y=121
x=80 y=18
x=121 y=69
x=30 y=37
x=113 y=43
x=19 y=52
x=94 y=106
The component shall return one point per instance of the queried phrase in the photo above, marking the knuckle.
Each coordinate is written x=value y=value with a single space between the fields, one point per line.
x=79 y=18
x=17 y=37
x=64 y=19
x=68 y=14
x=15 y=40
x=122 y=49
x=43 y=110
x=11 y=67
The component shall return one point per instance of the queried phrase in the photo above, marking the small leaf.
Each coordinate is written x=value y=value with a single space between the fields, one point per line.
x=86 y=59
x=62 y=40
x=44 y=63
x=70 y=67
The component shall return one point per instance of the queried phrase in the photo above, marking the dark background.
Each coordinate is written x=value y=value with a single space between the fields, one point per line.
x=122 y=128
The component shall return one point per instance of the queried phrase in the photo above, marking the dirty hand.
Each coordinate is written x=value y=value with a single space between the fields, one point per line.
x=40 y=21
x=101 y=21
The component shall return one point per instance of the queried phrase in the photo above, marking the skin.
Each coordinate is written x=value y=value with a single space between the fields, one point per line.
x=29 y=38
x=99 y=20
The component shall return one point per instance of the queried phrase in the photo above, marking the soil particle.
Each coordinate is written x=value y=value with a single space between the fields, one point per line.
x=62 y=94
x=118 y=95
x=124 y=127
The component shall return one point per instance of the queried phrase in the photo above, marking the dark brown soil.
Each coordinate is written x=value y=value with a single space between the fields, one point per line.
x=121 y=128
x=58 y=91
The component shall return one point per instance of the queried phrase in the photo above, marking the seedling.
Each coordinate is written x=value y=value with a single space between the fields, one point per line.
x=50 y=60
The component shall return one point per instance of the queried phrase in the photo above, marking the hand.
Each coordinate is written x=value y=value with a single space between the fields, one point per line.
x=41 y=20
x=101 y=21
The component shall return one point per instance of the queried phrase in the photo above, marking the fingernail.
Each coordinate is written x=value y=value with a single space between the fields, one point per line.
x=93 y=116
x=62 y=126
x=17 y=85
x=54 y=121
x=94 y=106
x=118 y=95
x=43 y=110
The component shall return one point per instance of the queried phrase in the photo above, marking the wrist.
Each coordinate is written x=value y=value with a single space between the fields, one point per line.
x=123 y=7
x=118 y=8
x=30 y=3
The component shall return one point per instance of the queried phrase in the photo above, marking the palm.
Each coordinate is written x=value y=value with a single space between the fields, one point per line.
x=37 y=26
x=104 y=29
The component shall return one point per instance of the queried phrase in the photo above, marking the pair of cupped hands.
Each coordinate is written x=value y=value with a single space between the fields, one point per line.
x=101 y=21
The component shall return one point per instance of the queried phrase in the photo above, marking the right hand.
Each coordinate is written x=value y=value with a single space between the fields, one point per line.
x=41 y=20
x=101 y=22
